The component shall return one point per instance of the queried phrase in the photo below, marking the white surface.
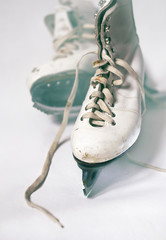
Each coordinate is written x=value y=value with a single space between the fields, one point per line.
x=129 y=201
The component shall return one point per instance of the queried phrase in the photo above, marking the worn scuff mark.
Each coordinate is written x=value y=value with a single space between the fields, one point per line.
x=89 y=157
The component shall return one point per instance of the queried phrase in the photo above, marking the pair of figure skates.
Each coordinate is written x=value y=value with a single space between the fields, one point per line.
x=109 y=121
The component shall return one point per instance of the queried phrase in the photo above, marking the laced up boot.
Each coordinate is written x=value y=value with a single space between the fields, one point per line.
x=110 y=118
x=72 y=28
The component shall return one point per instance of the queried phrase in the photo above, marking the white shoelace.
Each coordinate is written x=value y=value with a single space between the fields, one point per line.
x=103 y=98
x=65 y=45
x=46 y=167
x=112 y=69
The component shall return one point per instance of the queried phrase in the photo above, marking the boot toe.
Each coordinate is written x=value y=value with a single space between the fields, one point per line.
x=107 y=142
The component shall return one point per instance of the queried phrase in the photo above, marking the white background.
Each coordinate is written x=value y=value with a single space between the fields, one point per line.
x=128 y=201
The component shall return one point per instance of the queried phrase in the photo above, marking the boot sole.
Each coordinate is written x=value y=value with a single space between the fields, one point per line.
x=50 y=93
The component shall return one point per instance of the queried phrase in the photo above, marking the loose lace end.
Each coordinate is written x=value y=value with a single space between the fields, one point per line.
x=46 y=167
x=42 y=209
x=146 y=165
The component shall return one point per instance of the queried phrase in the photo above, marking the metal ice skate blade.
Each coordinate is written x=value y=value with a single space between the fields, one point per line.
x=90 y=174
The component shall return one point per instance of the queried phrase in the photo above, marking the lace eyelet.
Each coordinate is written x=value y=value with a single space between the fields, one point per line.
x=95 y=15
x=112 y=50
x=107 y=41
x=113 y=123
x=107 y=28
x=81 y=119
x=113 y=115
x=101 y=3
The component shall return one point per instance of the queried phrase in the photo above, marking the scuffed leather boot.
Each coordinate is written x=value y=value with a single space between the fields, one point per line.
x=72 y=28
x=110 y=119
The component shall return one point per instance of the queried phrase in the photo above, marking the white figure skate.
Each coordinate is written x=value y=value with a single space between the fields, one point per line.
x=110 y=119
x=72 y=28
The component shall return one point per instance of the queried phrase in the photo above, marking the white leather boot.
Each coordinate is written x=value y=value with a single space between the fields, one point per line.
x=110 y=119
x=72 y=28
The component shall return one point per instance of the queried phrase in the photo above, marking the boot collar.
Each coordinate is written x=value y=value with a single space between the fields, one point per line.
x=115 y=29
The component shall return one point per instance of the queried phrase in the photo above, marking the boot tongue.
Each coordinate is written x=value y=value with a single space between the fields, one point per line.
x=84 y=10
x=62 y=23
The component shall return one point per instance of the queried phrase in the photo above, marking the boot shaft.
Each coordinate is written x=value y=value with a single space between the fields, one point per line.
x=84 y=10
x=74 y=15
x=115 y=29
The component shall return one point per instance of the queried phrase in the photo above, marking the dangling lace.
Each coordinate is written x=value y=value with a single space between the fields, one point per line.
x=103 y=98
x=46 y=167
x=145 y=165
